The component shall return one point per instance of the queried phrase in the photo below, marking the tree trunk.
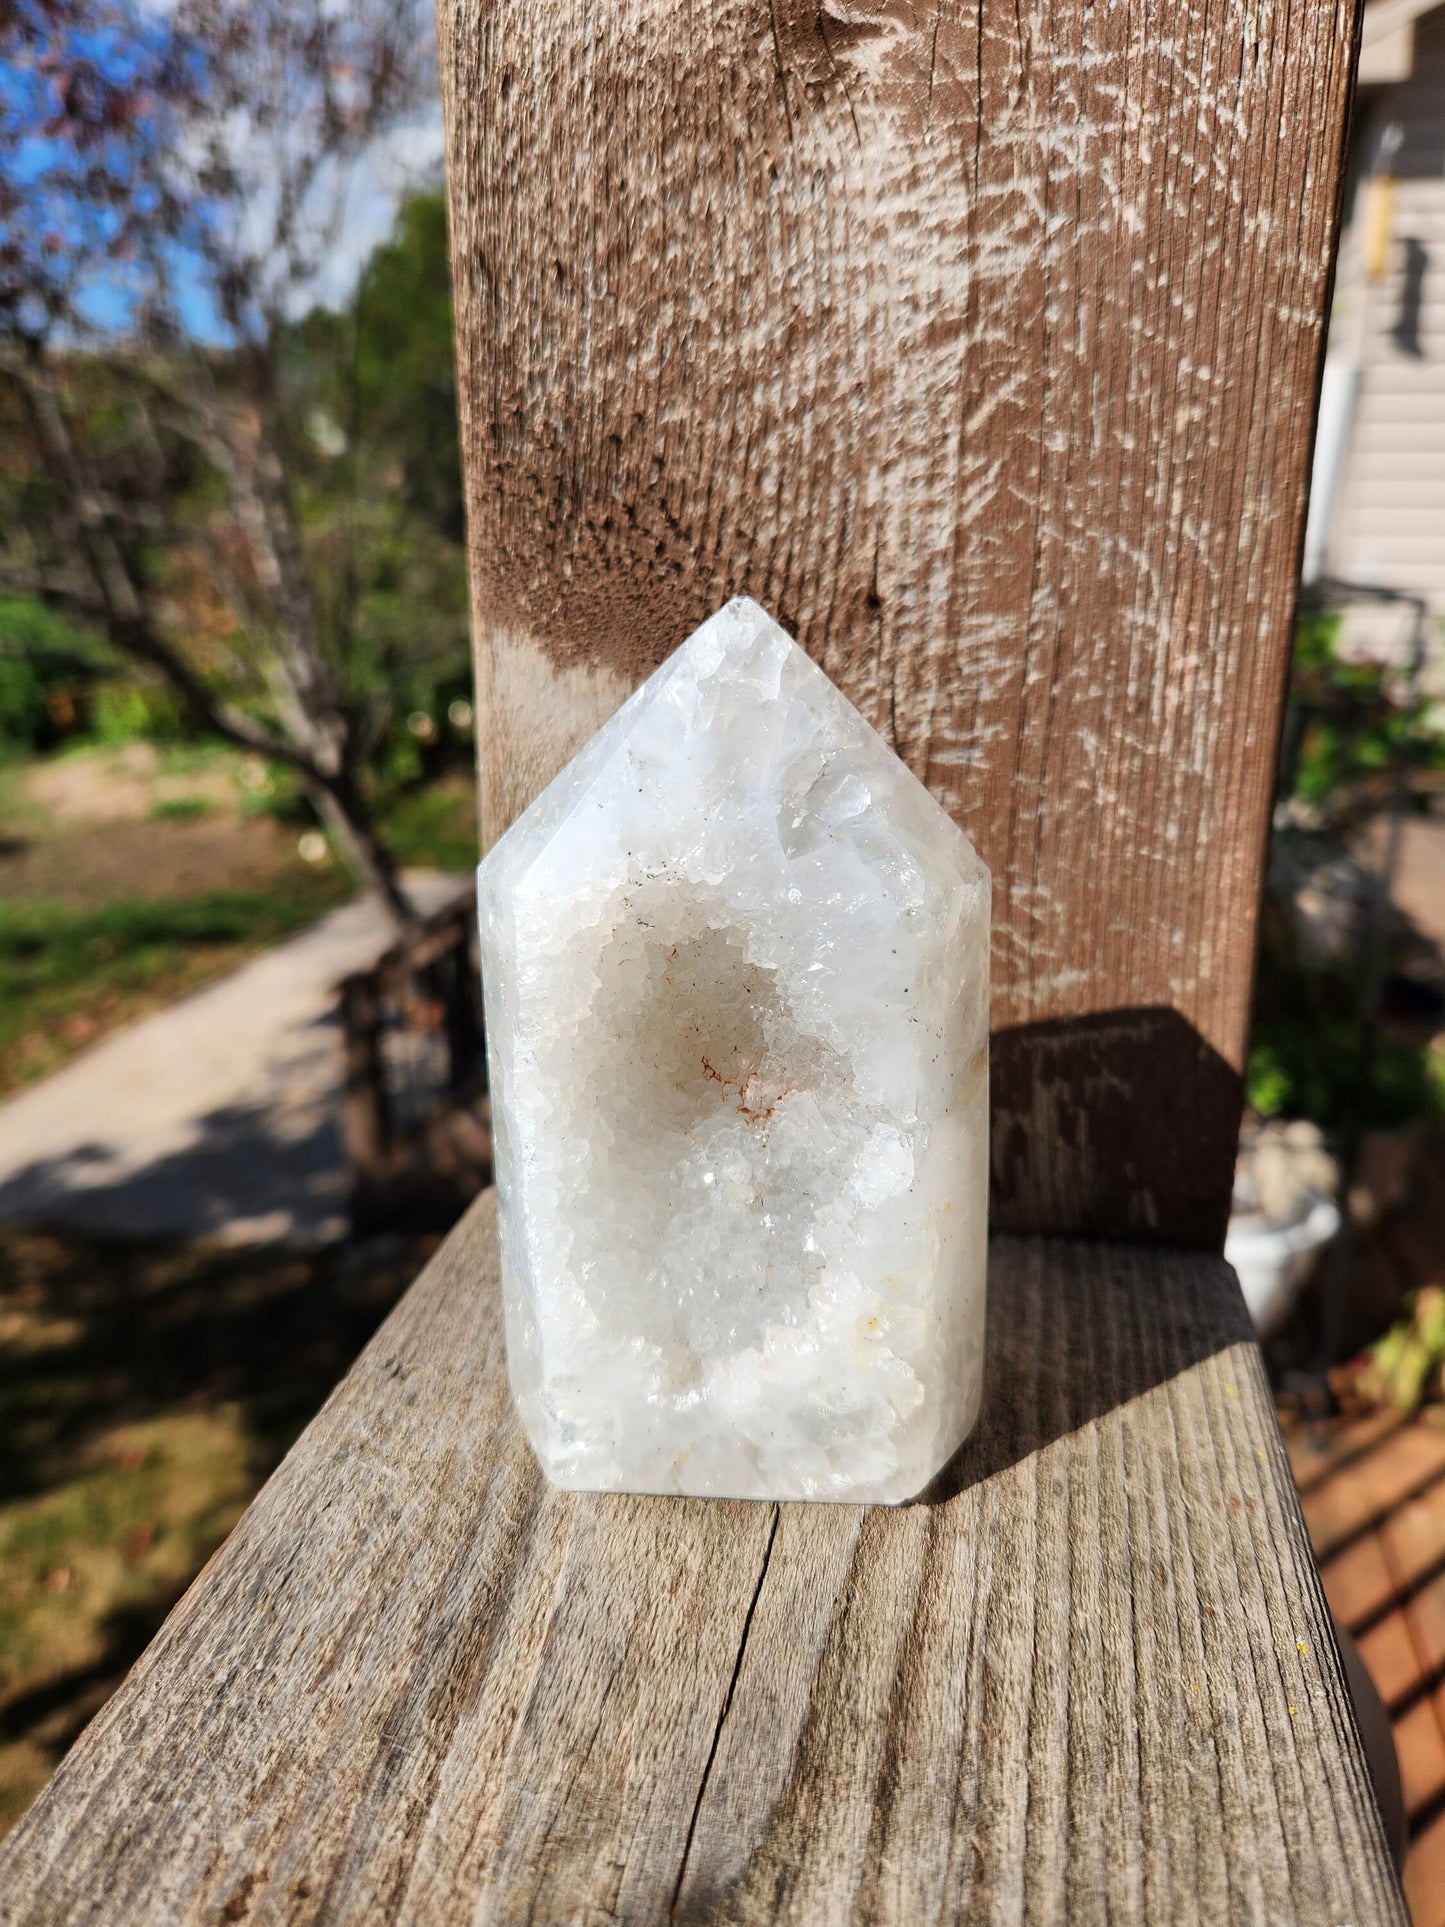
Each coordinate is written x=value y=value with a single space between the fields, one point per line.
x=317 y=738
x=342 y=809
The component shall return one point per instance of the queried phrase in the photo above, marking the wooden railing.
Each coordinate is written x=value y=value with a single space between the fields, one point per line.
x=979 y=343
x=416 y=1117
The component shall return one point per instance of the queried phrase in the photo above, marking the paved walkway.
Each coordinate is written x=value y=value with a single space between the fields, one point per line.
x=217 y=1118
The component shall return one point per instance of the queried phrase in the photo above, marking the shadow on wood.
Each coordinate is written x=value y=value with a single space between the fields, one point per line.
x=1117 y=1124
x=418 y=1683
x=1071 y=1338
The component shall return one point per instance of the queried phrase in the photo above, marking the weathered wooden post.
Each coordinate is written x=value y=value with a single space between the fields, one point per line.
x=979 y=343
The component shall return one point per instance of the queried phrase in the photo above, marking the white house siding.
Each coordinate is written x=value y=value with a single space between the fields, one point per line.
x=1386 y=514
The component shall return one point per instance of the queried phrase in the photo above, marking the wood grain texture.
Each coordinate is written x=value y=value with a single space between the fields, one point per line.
x=1091 y=1676
x=978 y=340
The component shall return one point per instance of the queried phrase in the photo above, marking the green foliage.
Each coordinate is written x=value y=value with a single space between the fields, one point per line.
x=1313 y=1054
x=46 y=663
x=435 y=826
x=44 y=945
x=1407 y=1365
x=1302 y=1067
x=1355 y=720
x=1269 y=1082
x=28 y=627
x=404 y=368
x=274 y=790
x=127 y=709
x=189 y=758
x=373 y=449
x=22 y=704
x=360 y=406
x=182 y=809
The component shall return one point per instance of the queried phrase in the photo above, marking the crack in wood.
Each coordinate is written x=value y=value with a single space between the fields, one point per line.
x=722 y=1716
x=839 y=76
x=932 y=65
x=781 y=69
x=1067 y=1674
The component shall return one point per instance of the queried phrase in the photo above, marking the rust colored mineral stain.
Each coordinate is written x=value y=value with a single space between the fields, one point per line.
x=745 y=1093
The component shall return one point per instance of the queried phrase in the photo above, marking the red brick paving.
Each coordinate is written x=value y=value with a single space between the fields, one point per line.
x=1390 y=1656
x=1420 y=1749
x=1425 y=1611
x=1373 y=1492
x=1367 y=1491
x=1358 y=1582
x=1425 y=1876
x=1414 y=1540
x=1316 y=1452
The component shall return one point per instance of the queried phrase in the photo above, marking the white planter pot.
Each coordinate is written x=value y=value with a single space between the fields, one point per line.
x=1273 y=1260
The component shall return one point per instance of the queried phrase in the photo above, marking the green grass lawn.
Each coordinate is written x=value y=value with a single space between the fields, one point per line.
x=68 y=975
x=436 y=827
x=79 y=956
x=144 y=1394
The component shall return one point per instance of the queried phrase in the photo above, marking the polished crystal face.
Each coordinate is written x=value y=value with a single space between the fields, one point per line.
x=736 y=971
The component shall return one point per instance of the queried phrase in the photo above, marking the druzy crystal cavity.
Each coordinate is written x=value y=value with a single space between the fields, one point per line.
x=736 y=973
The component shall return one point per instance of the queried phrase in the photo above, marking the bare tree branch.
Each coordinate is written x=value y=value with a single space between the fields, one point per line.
x=58 y=591
x=118 y=599
x=227 y=131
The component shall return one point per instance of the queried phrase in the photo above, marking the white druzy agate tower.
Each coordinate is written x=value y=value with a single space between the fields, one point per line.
x=736 y=971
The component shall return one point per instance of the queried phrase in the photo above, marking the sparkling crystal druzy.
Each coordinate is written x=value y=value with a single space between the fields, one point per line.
x=736 y=972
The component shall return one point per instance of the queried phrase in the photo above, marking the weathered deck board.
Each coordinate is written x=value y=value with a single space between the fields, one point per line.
x=1091 y=1677
x=979 y=341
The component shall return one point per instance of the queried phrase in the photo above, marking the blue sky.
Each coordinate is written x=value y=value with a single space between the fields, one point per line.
x=72 y=229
